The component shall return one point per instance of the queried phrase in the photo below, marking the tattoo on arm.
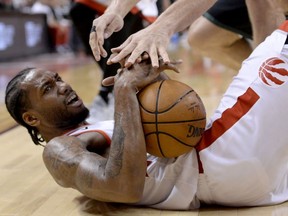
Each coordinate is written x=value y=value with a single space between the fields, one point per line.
x=116 y=152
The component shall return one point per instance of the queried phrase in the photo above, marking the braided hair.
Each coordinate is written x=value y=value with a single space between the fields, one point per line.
x=17 y=103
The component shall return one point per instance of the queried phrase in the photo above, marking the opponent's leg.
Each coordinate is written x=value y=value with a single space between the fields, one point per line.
x=219 y=44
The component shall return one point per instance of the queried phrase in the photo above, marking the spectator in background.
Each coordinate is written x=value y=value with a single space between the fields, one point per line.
x=25 y=5
x=59 y=27
x=6 y=5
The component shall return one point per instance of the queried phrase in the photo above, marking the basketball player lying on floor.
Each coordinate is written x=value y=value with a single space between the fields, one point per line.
x=242 y=159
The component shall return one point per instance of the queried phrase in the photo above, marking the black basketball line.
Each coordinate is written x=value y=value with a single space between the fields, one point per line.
x=156 y=118
x=174 y=104
x=173 y=122
x=169 y=136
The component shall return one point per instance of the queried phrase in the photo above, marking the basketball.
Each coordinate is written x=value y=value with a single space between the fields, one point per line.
x=173 y=118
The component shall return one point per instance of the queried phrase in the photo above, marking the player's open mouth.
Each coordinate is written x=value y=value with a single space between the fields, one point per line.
x=73 y=99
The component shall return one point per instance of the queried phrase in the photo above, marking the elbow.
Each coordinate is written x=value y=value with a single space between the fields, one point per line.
x=134 y=197
x=117 y=191
x=130 y=192
x=115 y=196
x=133 y=188
x=127 y=198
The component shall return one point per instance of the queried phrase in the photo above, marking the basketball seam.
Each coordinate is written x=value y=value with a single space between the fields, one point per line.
x=173 y=122
x=156 y=118
x=169 y=108
x=169 y=136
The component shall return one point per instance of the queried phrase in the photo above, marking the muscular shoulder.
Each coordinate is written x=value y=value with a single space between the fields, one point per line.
x=62 y=156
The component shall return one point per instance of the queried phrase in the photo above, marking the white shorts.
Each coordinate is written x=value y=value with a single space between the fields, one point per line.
x=244 y=151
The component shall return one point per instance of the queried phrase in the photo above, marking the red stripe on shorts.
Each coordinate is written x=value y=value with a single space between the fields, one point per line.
x=228 y=119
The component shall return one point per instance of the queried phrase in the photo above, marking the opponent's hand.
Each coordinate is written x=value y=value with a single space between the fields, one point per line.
x=102 y=28
x=149 y=40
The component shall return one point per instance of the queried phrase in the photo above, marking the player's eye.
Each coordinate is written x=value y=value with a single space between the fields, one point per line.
x=58 y=79
x=47 y=88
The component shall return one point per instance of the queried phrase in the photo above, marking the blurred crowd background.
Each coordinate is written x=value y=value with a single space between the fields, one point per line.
x=29 y=27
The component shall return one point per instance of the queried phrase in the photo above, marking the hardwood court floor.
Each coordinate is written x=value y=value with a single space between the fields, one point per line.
x=26 y=188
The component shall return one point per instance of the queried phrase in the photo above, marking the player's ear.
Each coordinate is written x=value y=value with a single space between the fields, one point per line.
x=30 y=119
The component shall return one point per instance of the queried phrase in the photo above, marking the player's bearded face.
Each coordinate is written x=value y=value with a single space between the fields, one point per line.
x=54 y=102
x=62 y=118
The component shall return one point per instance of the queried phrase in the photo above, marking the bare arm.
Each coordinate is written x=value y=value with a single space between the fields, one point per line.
x=155 y=38
x=181 y=14
x=121 y=7
x=265 y=16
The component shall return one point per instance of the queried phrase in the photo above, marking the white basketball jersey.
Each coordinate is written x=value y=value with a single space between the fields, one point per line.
x=103 y=127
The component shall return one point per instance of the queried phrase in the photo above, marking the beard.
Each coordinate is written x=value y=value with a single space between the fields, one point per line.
x=67 y=119
x=79 y=118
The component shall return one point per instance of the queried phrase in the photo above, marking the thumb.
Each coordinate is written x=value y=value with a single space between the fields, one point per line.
x=109 y=81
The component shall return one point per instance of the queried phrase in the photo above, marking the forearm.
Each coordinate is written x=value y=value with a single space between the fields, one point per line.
x=127 y=158
x=121 y=7
x=181 y=14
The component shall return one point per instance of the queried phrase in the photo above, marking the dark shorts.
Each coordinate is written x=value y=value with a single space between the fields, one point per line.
x=231 y=15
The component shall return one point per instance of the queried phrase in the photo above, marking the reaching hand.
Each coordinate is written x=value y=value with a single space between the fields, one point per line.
x=149 y=40
x=102 y=28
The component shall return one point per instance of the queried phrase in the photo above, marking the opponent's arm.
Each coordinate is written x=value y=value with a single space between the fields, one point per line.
x=155 y=38
x=121 y=7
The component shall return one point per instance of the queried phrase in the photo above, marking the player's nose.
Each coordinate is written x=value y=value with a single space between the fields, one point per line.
x=63 y=88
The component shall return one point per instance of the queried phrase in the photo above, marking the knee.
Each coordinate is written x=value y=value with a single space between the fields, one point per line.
x=199 y=36
x=194 y=38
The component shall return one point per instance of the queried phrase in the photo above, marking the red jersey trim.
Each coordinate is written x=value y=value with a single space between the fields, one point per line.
x=94 y=5
x=98 y=131
x=105 y=136
x=284 y=26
